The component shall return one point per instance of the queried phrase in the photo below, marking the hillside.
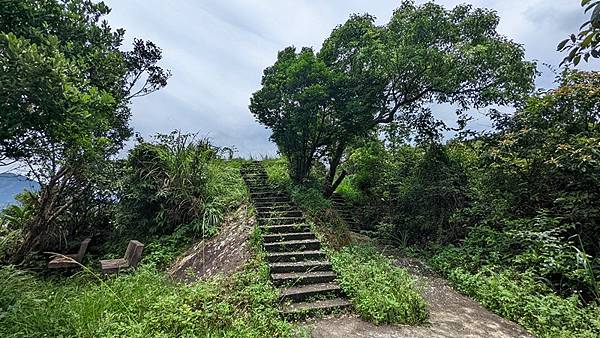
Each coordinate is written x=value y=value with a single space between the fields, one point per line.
x=12 y=184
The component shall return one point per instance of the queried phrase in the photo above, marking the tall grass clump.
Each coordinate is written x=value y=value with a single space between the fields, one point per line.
x=178 y=180
x=380 y=292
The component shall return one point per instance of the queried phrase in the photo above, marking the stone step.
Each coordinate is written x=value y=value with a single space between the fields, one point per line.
x=319 y=305
x=256 y=182
x=302 y=278
x=303 y=266
x=287 y=236
x=295 y=256
x=271 y=199
x=256 y=179
x=277 y=207
x=267 y=204
x=299 y=245
x=279 y=213
x=265 y=193
x=302 y=292
x=285 y=228
x=280 y=220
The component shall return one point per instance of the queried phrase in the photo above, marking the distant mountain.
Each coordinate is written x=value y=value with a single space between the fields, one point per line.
x=11 y=185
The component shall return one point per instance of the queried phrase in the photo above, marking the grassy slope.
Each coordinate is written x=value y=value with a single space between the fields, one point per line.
x=145 y=303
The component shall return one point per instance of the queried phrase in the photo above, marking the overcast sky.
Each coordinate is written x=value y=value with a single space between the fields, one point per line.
x=218 y=49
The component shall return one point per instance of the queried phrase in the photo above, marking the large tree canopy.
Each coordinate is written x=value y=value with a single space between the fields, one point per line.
x=393 y=73
x=65 y=86
x=294 y=103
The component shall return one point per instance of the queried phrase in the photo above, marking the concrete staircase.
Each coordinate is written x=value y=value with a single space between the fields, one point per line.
x=298 y=267
x=344 y=211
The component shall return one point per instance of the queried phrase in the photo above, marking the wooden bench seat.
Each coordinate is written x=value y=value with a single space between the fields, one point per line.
x=70 y=260
x=133 y=255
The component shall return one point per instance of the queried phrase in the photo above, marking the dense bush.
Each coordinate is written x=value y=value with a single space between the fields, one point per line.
x=520 y=206
x=165 y=183
x=380 y=292
x=529 y=302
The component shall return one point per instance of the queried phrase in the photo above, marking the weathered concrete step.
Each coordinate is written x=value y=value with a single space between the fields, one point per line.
x=320 y=305
x=265 y=193
x=287 y=236
x=256 y=179
x=280 y=220
x=280 y=213
x=267 y=204
x=299 y=245
x=256 y=182
x=285 y=228
x=302 y=292
x=302 y=278
x=276 y=207
x=295 y=256
x=271 y=199
x=304 y=266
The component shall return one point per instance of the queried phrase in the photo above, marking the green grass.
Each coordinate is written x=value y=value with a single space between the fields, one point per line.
x=522 y=298
x=141 y=304
x=379 y=291
x=277 y=170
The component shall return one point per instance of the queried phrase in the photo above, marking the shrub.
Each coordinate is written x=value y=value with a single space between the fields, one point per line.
x=379 y=291
x=519 y=297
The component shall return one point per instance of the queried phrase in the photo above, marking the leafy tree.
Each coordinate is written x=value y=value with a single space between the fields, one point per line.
x=294 y=102
x=64 y=90
x=586 y=43
x=548 y=157
x=393 y=73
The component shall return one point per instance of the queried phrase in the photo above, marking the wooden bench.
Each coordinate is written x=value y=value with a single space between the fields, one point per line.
x=133 y=255
x=70 y=260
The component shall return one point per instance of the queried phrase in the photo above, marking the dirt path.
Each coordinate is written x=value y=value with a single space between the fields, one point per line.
x=450 y=315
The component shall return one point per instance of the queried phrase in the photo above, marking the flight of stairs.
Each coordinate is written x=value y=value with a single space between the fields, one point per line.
x=344 y=211
x=298 y=267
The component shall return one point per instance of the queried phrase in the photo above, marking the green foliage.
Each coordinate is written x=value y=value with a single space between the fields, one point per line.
x=523 y=299
x=380 y=291
x=293 y=103
x=175 y=181
x=520 y=205
x=365 y=75
x=64 y=95
x=277 y=171
x=143 y=304
x=586 y=43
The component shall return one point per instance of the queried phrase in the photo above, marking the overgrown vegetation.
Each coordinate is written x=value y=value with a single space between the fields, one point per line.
x=144 y=304
x=65 y=88
x=317 y=104
x=505 y=214
x=510 y=215
x=380 y=292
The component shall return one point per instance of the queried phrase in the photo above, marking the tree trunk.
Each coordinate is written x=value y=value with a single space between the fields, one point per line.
x=335 y=184
x=330 y=182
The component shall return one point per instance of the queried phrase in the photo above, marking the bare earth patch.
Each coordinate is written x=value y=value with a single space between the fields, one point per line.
x=450 y=315
x=222 y=254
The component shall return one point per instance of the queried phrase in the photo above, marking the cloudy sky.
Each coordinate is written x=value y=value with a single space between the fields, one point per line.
x=218 y=49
